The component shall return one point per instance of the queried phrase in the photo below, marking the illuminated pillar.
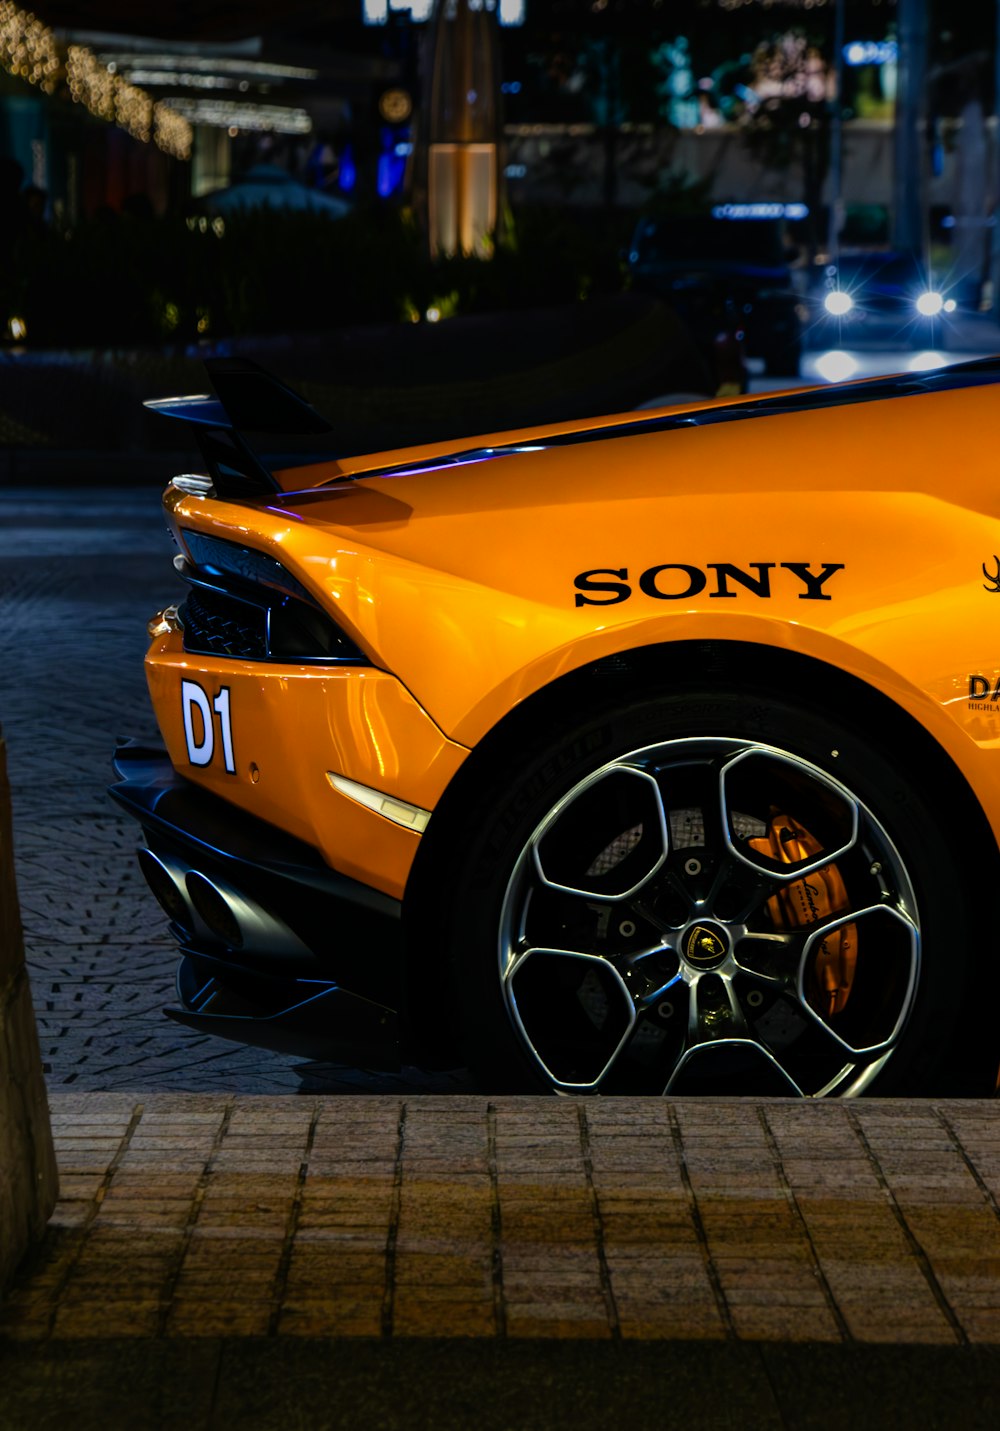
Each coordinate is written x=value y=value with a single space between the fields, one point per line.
x=463 y=123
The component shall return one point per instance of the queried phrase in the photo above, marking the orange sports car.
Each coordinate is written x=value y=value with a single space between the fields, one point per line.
x=655 y=753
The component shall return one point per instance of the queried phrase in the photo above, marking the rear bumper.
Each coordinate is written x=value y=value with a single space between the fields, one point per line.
x=279 y=951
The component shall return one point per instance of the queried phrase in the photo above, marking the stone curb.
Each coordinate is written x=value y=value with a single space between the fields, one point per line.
x=187 y=1217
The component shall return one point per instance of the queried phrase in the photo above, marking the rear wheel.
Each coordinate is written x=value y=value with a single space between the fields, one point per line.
x=704 y=893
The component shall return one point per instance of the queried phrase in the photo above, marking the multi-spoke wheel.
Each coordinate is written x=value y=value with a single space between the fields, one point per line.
x=712 y=912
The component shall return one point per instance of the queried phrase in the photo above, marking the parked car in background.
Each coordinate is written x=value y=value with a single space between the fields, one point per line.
x=885 y=295
x=721 y=272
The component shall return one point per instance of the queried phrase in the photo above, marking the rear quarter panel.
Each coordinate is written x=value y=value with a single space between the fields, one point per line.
x=854 y=535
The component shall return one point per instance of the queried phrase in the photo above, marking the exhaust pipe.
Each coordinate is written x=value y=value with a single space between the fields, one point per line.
x=212 y=911
x=165 y=877
x=238 y=922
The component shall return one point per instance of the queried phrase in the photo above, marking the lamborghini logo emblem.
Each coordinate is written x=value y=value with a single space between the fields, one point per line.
x=703 y=946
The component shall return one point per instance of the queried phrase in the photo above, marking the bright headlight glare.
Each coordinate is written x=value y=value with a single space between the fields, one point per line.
x=930 y=304
x=836 y=366
x=923 y=362
x=950 y=305
x=838 y=302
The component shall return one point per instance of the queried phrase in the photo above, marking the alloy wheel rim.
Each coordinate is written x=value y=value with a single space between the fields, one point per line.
x=656 y=938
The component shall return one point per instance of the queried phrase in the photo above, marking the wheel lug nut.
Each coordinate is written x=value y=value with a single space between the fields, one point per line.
x=626 y=929
x=692 y=867
x=666 y=1009
x=755 y=998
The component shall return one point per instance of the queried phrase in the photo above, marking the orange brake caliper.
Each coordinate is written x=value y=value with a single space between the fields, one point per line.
x=819 y=896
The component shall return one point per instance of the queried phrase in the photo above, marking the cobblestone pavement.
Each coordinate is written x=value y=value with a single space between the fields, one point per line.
x=80 y=573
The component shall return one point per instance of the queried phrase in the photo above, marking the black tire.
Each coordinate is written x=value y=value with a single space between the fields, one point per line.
x=583 y=961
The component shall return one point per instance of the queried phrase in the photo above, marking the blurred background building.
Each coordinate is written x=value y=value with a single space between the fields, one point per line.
x=597 y=100
x=867 y=120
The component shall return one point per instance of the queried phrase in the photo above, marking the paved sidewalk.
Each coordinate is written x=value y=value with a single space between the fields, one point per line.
x=519 y=1242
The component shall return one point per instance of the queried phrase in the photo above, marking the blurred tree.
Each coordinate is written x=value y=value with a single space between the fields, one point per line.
x=784 y=113
x=676 y=90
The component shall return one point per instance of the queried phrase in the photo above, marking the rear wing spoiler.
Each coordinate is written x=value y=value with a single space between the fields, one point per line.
x=248 y=400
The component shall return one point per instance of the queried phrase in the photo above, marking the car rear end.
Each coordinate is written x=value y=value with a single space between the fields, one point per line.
x=282 y=815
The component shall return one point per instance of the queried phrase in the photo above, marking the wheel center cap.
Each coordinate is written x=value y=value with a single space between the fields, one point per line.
x=705 y=945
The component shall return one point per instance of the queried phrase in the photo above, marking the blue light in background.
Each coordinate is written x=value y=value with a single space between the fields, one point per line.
x=347 y=176
x=765 y=210
x=391 y=171
x=871 y=52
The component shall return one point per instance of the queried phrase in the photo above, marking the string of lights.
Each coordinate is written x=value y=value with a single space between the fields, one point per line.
x=29 y=50
x=225 y=114
x=171 y=131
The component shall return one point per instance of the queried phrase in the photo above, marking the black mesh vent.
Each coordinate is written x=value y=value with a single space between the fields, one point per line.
x=244 y=604
x=218 y=625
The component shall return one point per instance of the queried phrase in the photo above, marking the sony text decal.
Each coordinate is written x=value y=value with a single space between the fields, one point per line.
x=680 y=581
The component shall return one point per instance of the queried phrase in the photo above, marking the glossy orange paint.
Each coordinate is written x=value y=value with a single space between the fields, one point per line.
x=291 y=725
x=850 y=534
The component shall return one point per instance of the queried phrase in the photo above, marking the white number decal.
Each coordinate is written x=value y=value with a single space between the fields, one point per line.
x=221 y=704
x=193 y=698
x=199 y=734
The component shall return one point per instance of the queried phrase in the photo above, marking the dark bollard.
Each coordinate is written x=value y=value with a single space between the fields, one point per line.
x=28 y=1178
